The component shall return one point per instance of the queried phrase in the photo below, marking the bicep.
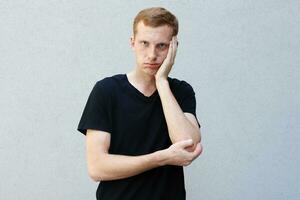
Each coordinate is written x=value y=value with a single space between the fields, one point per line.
x=98 y=141
x=97 y=144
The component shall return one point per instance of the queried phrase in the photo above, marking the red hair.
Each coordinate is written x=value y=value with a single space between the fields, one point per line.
x=154 y=17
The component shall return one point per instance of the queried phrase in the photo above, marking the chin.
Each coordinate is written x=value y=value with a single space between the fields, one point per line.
x=151 y=72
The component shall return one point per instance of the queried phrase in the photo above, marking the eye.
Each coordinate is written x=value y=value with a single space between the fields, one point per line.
x=162 y=46
x=144 y=43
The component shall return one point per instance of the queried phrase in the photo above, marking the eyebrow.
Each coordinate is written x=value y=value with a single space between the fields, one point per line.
x=166 y=43
x=163 y=43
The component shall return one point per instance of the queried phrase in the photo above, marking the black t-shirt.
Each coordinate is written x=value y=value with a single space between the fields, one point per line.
x=137 y=126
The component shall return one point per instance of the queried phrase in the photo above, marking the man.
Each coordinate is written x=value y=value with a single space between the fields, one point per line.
x=141 y=127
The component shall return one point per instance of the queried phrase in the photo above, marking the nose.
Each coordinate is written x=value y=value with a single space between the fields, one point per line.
x=152 y=54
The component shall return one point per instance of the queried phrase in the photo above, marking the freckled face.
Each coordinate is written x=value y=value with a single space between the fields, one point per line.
x=151 y=47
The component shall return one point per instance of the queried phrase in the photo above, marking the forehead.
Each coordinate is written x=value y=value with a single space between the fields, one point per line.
x=154 y=34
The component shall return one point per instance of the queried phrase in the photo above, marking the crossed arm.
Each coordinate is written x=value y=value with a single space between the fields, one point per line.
x=104 y=166
x=183 y=131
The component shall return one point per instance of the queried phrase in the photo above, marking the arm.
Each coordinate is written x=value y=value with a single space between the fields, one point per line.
x=105 y=166
x=181 y=125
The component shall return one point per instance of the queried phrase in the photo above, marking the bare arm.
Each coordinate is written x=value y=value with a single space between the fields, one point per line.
x=181 y=125
x=105 y=166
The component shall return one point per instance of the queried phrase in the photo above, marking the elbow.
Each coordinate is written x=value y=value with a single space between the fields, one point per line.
x=198 y=136
x=196 y=139
x=97 y=174
x=195 y=136
x=96 y=169
x=97 y=177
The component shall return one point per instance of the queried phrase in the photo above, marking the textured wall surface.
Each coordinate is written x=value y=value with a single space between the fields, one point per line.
x=241 y=57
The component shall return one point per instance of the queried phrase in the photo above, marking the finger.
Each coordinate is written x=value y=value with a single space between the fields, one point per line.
x=169 y=55
x=190 y=148
x=174 y=48
x=175 y=41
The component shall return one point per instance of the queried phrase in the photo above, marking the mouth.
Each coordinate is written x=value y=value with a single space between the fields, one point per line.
x=152 y=65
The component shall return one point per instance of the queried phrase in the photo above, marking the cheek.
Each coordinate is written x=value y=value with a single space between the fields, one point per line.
x=140 y=53
x=163 y=54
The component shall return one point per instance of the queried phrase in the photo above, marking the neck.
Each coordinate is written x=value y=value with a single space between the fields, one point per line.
x=142 y=82
x=142 y=79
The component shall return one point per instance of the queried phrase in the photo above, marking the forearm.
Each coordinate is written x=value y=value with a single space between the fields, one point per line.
x=112 y=167
x=179 y=127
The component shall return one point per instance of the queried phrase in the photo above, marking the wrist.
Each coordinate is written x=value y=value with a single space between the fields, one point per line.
x=161 y=82
x=161 y=157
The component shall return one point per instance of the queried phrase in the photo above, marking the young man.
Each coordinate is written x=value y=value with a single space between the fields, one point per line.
x=141 y=127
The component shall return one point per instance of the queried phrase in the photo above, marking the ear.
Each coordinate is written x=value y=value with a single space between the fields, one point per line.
x=132 y=42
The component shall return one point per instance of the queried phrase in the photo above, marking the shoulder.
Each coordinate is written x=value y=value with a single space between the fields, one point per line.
x=108 y=84
x=106 y=87
x=109 y=81
x=180 y=86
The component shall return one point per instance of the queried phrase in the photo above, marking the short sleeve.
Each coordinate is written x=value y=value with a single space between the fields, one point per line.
x=188 y=99
x=96 y=113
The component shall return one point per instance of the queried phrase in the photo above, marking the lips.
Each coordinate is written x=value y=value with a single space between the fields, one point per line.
x=152 y=65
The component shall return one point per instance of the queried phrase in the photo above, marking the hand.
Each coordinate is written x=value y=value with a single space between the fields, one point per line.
x=178 y=155
x=166 y=66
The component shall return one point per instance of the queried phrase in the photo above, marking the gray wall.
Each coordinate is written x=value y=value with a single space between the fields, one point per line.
x=242 y=58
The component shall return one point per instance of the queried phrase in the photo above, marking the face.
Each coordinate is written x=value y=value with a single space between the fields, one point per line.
x=151 y=47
